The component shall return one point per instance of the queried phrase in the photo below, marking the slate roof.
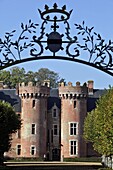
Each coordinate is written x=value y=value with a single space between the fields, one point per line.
x=9 y=95
x=52 y=100
x=91 y=101
x=54 y=92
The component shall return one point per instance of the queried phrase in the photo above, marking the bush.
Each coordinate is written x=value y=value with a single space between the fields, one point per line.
x=88 y=159
x=104 y=169
x=22 y=159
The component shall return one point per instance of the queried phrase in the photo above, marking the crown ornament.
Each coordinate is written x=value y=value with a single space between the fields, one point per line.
x=54 y=39
x=46 y=15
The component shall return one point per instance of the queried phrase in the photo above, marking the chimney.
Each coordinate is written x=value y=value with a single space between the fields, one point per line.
x=90 y=87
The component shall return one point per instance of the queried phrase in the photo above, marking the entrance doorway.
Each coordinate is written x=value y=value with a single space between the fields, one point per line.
x=56 y=154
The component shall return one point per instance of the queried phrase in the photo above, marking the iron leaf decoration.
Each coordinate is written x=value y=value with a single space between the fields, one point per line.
x=99 y=53
x=8 y=46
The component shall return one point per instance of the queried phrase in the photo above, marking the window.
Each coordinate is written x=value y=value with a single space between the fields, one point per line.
x=33 y=150
x=33 y=104
x=73 y=128
x=33 y=130
x=55 y=129
x=74 y=103
x=73 y=147
x=54 y=113
x=18 y=149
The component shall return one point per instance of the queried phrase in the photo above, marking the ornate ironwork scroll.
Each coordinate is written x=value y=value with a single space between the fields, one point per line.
x=95 y=51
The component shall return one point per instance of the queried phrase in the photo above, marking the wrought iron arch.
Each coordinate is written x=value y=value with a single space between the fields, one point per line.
x=98 y=52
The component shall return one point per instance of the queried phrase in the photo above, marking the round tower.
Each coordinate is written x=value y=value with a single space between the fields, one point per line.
x=73 y=112
x=34 y=114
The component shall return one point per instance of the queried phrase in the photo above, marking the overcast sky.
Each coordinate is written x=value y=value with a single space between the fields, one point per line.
x=97 y=13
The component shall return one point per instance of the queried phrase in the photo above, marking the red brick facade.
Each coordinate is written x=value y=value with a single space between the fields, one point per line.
x=34 y=121
x=73 y=112
x=54 y=130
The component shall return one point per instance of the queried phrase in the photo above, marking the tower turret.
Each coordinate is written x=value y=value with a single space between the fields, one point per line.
x=34 y=114
x=73 y=112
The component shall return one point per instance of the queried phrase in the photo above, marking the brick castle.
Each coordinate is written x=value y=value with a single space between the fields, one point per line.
x=52 y=119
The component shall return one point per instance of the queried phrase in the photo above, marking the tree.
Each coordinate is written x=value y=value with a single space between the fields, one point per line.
x=9 y=123
x=98 y=125
x=12 y=77
x=46 y=74
x=17 y=76
x=5 y=77
x=89 y=128
x=29 y=76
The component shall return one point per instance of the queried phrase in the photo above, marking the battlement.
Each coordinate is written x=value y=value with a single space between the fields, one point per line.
x=32 y=84
x=70 y=91
x=33 y=90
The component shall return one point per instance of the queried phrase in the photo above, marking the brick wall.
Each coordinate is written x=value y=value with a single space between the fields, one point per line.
x=73 y=110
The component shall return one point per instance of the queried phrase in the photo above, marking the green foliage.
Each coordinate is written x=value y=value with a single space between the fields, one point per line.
x=5 y=77
x=104 y=169
x=25 y=159
x=98 y=126
x=12 y=77
x=29 y=76
x=9 y=123
x=83 y=159
x=46 y=74
x=89 y=128
x=18 y=75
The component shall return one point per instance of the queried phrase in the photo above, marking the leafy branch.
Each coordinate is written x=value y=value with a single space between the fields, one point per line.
x=94 y=44
x=7 y=44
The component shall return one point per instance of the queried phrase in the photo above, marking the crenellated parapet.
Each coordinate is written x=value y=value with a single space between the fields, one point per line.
x=72 y=92
x=33 y=90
